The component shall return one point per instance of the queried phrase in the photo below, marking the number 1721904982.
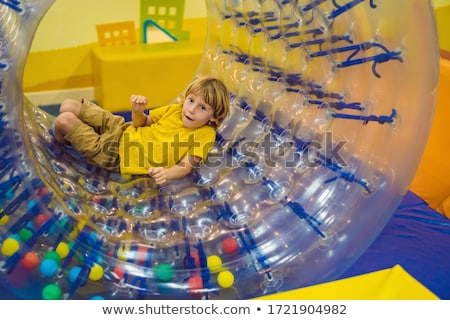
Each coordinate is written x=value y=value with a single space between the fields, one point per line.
x=307 y=309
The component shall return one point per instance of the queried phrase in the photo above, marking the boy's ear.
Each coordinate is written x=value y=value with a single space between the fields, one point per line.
x=213 y=119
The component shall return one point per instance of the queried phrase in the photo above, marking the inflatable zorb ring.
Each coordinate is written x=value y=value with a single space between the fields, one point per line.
x=332 y=102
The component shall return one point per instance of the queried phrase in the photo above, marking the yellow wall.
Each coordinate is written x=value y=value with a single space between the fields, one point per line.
x=60 y=55
x=70 y=23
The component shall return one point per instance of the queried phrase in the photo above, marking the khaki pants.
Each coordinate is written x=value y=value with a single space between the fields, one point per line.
x=97 y=137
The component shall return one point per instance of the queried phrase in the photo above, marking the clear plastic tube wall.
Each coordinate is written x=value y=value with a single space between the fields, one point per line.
x=331 y=105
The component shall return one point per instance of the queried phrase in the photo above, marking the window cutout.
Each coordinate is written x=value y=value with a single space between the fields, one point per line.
x=173 y=11
x=162 y=11
x=151 y=10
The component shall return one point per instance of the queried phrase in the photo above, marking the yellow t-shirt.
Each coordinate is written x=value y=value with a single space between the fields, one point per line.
x=164 y=143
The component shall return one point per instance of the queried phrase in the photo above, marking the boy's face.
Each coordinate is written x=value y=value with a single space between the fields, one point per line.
x=196 y=112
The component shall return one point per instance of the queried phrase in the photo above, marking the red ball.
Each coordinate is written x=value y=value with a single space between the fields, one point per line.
x=195 y=283
x=230 y=245
x=141 y=254
x=41 y=192
x=30 y=260
x=40 y=219
x=196 y=258
x=119 y=272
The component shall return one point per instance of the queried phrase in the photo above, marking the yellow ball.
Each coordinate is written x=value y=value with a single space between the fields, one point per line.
x=96 y=272
x=214 y=263
x=73 y=234
x=81 y=224
x=3 y=220
x=62 y=249
x=9 y=247
x=123 y=253
x=225 y=279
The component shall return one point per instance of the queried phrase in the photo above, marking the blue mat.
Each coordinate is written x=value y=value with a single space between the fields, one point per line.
x=417 y=238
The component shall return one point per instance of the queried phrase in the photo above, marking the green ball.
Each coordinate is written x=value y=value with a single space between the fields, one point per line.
x=25 y=234
x=163 y=272
x=51 y=292
x=53 y=255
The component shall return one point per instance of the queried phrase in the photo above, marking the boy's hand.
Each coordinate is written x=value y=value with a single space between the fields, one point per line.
x=138 y=103
x=159 y=174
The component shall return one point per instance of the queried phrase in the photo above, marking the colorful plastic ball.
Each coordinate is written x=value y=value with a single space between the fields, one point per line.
x=118 y=272
x=73 y=234
x=195 y=256
x=124 y=253
x=4 y=220
x=196 y=259
x=230 y=245
x=141 y=254
x=48 y=267
x=53 y=255
x=40 y=219
x=225 y=279
x=10 y=246
x=51 y=292
x=214 y=263
x=30 y=260
x=96 y=272
x=77 y=229
x=81 y=225
x=195 y=283
x=29 y=226
x=41 y=192
x=93 y=237
x=25 y=234
x=62 y=249
x=10 y=194
x=163 y=272
x=80 y=259
x=15 y=236
x=32 y=205
x=74 y=273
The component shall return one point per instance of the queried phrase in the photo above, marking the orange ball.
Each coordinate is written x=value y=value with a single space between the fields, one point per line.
x=30 y=260
x=230 y=245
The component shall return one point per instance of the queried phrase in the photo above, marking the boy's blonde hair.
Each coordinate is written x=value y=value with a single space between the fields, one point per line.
x=215 y=93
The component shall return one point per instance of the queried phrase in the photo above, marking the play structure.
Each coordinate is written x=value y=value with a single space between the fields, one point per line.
x=331 y=105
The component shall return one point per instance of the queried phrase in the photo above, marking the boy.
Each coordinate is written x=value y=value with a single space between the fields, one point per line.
x=166 y=144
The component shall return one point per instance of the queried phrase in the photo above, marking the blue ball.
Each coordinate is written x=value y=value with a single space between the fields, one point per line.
x=73 y=273
x=16 y=237
x=48 y=267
